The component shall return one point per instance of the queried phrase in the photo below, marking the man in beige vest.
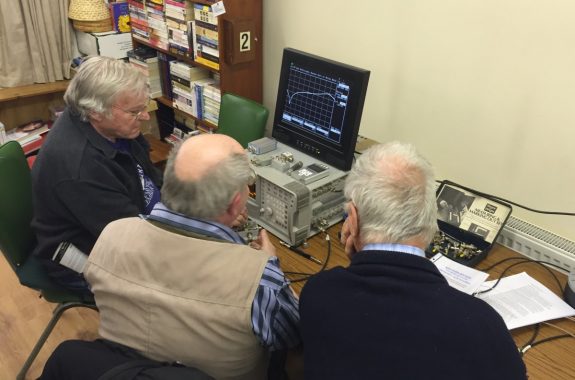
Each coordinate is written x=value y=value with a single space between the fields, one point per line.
x=181 y=285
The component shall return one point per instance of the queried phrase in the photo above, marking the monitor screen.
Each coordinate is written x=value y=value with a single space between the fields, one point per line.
x=319 y=106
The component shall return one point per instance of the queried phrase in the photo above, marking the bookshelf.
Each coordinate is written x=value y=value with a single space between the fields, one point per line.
x=25 y=103
x=238 y=46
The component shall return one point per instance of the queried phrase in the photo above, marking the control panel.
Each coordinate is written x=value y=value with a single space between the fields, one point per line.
x=295 y=196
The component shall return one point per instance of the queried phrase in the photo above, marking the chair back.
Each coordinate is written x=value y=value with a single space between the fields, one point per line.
x=17 y=239
x=242 y=118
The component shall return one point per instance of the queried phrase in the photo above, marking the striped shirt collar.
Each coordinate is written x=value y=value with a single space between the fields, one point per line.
x=163 y=214
x=394 y=248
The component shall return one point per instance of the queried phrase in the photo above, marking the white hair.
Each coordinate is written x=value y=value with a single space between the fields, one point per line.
x=99 y=81
x=393 y=189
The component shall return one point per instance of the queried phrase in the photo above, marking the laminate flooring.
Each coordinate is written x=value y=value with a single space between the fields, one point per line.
x=23 y=317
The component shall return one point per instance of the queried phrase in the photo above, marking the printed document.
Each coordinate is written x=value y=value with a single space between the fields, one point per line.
x=523 y=301
x=459 y=276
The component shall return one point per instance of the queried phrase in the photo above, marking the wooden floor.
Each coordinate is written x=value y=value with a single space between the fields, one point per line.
x=23 y=317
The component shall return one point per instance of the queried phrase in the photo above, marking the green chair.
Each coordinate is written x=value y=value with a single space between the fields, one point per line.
x=17 y=241
x=242 y=118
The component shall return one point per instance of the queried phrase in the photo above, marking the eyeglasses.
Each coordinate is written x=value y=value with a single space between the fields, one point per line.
x=135 y=114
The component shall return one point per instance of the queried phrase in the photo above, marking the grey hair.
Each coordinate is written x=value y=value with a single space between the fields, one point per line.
x=99 y=81
x=393 y=189
x=209 y=196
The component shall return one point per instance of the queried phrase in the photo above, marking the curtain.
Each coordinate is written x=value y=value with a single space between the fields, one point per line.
x=35 y=42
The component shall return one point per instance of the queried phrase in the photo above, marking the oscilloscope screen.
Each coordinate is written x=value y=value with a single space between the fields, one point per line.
x=316 y=103
x=319 y=106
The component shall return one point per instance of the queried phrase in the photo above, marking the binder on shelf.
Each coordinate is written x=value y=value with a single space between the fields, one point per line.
x=165 y=79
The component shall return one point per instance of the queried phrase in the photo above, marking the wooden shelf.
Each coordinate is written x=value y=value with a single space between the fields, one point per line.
x=14 y=93
x=168 y=103
x=240 y=72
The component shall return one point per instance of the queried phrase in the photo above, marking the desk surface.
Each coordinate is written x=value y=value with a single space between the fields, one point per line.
x=551 y=360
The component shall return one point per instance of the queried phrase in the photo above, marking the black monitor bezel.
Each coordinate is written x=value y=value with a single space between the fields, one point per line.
x=337 y=155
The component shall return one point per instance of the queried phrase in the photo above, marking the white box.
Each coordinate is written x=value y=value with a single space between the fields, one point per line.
x=108 y=44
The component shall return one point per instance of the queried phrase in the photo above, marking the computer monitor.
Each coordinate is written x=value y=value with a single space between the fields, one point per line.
x=319 y=106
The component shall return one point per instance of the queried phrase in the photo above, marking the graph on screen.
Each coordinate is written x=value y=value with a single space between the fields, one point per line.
x=316 y=103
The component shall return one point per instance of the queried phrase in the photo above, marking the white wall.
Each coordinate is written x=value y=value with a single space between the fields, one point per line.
x=485 y=89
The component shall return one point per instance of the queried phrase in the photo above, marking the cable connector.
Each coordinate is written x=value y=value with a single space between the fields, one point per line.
x=524 y=349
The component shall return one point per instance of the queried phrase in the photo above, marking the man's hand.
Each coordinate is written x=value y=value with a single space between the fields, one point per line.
x=263 y=243
x=241 y=219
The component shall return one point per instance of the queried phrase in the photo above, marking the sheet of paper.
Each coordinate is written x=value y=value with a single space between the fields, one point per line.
x=523 y=301
x=459 y=276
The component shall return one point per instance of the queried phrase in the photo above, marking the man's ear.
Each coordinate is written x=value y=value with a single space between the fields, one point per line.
x=236 y=207
x=95 y=116
x=352 y=222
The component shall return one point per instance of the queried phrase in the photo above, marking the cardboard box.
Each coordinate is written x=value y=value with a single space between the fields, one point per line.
x=107 y=44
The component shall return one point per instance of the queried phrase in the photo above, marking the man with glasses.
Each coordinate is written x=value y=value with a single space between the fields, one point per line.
x=94 y=166
x=182 y=285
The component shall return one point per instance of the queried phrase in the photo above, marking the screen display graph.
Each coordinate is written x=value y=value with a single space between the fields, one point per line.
x=316 y=103
x=318 y=106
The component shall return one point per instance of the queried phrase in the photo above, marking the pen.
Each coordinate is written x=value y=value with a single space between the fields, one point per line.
x=301 y=253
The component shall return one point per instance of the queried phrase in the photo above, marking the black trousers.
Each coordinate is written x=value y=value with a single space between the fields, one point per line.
x=102 y=359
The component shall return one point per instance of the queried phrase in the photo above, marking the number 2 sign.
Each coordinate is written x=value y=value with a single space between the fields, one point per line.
x=245 y=41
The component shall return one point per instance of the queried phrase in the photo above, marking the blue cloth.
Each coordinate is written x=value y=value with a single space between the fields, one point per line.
x=275 y=312
x=395 y=248
x=151 y=191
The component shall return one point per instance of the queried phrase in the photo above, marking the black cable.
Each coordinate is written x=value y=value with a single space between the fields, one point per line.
x=308 y=275
x=497 y=198
x=549 y=339
x=523 y=261
x=531 y=340
x=501 y=262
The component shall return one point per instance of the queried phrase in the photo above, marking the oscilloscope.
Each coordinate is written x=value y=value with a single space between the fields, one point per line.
x=295 y=196
x=319 y=106
x=299 y=186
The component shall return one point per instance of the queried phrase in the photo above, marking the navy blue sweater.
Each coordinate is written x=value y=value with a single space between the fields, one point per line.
x=81 y=183
x=392 y=315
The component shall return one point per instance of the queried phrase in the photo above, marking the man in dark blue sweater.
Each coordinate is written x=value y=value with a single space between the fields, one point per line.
x=391 y=314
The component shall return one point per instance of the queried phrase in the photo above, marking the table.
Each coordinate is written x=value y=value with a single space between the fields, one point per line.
x=551 y=360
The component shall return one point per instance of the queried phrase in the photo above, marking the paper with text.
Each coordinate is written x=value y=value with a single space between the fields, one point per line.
x=459 y=276
x=523 y=301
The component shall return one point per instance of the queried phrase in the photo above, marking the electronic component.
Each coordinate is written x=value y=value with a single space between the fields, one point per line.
x=453 y=248
x=295 y=166
x=311 y=173
x=295 y=207
x=468 y=222
x=319 y=107
x=262 y=145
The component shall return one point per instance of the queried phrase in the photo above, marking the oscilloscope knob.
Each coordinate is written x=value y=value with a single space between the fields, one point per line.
x=267 y=211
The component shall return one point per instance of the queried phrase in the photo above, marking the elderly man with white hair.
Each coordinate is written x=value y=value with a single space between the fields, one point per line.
x=391 y=314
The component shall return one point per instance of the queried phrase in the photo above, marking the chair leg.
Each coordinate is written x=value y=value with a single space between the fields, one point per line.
x=56 y=314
